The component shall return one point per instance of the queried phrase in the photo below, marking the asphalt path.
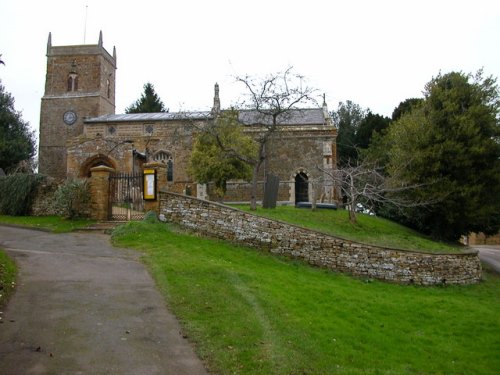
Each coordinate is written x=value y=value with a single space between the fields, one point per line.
x=82 y=306
x=490 y=254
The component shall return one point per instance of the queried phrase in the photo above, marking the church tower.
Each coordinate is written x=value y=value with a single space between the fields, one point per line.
x=80 y=84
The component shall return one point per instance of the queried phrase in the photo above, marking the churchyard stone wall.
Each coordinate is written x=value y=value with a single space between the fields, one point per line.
x=44 y=197
x=482 y=239
x=319 y=249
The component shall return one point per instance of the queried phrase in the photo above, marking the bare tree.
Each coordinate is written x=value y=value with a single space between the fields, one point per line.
x=365 y=184
x=269 y=105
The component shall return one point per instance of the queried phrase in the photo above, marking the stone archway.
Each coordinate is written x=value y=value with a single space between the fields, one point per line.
x=95 y=161
x=301 y=187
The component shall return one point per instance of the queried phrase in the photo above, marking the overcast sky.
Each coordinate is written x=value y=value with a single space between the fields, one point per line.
x=375 y=53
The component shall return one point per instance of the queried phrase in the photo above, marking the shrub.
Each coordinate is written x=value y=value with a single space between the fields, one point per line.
x=72 y=199
x=17 y=192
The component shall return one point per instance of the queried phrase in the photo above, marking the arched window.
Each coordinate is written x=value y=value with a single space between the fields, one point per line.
x=108 y=87
x=73 y=82
x=170 y=170
x=166 y=158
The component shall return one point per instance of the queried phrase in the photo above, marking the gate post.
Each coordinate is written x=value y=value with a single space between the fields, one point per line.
x=99 y=192
x=161 y=183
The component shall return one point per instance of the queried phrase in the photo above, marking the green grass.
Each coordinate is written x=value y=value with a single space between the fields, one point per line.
x=54 y=224
x=368 y=229
x=8 y=271
x=252 y=313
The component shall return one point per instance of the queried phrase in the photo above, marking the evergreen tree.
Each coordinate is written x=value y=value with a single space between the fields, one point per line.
x=450 y=144
x=371 y=123
x=17 y=141
x=405 y=107
x=149 y=102
x=348 y=118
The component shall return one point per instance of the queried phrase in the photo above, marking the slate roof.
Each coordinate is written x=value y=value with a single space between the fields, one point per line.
x=146 y=117
x=307 y=116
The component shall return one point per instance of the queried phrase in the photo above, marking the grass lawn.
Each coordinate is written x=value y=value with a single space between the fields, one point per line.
x=249 y=312
x=54 y=224
x=8 y=273
x=368 y=229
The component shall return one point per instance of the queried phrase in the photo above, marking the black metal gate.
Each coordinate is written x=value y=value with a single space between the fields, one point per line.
x=126 y=197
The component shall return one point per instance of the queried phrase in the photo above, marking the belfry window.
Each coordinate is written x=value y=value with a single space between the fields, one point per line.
x=73 y=82
x=165 y=158
x=108 y=88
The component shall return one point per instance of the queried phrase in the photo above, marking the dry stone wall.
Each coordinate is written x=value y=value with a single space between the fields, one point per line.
x=320 y=249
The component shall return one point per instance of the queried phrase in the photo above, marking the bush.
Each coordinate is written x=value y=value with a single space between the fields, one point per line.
x=72 y=199
x=17 y=193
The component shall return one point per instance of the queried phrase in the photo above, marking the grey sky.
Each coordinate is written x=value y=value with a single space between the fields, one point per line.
x=375 y=53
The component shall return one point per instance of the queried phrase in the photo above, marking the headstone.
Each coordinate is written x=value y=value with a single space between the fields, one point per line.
x=2 y=173
x=271 y=191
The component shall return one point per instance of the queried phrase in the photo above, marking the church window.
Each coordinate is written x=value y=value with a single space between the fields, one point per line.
x=170 y=170
x=73 y=82
x=149 y=129
x=165 y=158
x=108 y=87
x=111 y=130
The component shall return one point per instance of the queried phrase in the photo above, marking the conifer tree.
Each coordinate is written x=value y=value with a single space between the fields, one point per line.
x=149 y=102
x=17 y=141
x=450 y=145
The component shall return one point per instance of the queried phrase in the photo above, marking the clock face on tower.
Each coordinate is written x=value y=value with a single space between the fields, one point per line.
x=69 y=117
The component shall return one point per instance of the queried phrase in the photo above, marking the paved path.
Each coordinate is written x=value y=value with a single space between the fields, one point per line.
x=489 y=254
x=84 y=307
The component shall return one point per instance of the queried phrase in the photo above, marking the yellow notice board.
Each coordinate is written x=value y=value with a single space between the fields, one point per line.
x=150 y=184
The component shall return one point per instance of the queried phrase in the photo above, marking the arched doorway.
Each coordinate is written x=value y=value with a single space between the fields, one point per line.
x=95 y=161
x=301 y=187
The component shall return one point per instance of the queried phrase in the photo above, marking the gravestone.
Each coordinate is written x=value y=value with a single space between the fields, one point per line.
x=271 y=191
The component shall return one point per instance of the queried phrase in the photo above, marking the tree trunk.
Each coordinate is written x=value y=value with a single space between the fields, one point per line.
x=352 y=214
x=256 y=168
x=313 y=196
x=253 y=198
x=352 y=208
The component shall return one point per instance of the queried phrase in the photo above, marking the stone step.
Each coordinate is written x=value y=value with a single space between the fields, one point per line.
x=102 y=226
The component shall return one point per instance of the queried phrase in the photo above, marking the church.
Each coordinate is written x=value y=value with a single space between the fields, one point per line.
x=79 y=130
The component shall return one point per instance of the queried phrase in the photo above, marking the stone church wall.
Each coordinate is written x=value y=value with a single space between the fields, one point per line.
x=319 y=249
x=293 y=150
